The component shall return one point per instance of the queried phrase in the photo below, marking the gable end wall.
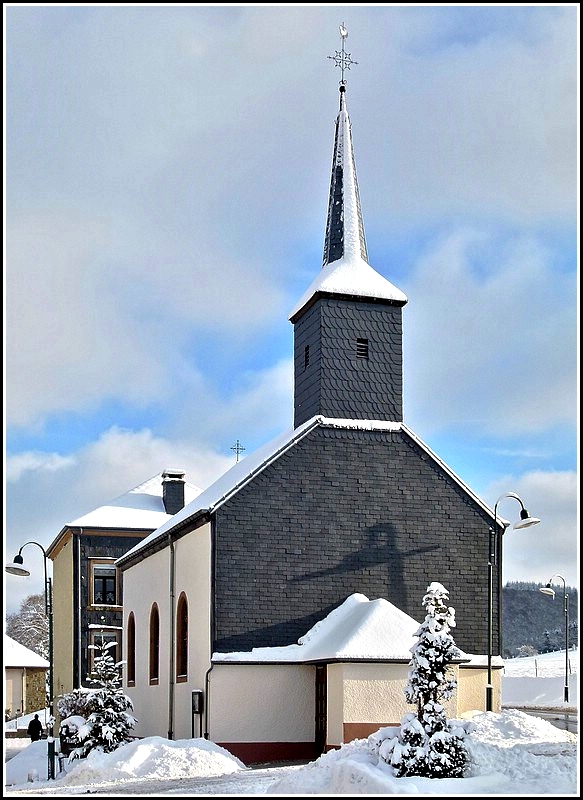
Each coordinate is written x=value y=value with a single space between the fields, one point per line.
x=347 y=511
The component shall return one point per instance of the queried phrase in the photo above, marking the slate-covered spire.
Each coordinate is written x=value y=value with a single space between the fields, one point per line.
x=344 y=227
x=348 y=348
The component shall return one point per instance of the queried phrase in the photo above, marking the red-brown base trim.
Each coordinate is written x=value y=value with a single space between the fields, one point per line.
x=265 y=752
x=361 y=730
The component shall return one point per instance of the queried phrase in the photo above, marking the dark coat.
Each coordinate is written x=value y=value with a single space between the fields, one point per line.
x=34 y=729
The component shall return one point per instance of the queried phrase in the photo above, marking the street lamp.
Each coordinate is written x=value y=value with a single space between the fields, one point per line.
x=551 y=592
x=495 y=557
x=16 y=567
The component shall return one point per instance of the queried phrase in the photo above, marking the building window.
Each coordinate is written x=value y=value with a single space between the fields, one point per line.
x=306 y=356
x=362 y=348
x=104 y=584
x=98 y=639
x=131 y=656
x=154 y=645
x=182 y=639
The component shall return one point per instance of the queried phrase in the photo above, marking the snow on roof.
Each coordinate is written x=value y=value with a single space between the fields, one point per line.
x=17 y=655
x=140 y=508
x=359 y=629
x=351 y=275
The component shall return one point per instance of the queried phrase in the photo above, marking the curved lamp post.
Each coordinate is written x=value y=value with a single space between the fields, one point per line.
x=551 y=592
x=16 y=567
x=495 y=557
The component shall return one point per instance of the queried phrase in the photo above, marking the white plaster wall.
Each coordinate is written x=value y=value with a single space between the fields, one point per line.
x=14 y=700
x=64 y=613
x=335 y=704
x=193 y=576
x=375 y=692
x=144 y=584
x=148 y=582
x=472 y=689
x=370 y=693
x=262 y=703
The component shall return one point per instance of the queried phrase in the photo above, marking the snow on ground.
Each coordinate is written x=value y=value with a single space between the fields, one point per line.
x=539 y=681
x=511 y=753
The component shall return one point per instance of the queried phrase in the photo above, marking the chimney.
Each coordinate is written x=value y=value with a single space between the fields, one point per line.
x=173 y=490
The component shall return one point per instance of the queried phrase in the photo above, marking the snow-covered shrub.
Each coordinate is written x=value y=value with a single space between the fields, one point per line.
x=105 y=709
x=428 y=744
x=72 y=704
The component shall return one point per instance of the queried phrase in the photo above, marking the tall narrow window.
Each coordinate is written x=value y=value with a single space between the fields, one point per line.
x=362 y=348
x=154 y=645
x=182 y=639
x=131 y=653
x=306 y=356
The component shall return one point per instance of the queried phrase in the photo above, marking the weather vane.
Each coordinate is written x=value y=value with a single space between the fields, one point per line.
x=341 y=57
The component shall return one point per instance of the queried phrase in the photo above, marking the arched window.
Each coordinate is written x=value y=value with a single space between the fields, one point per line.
x=154 y=644
x=131 y=654
x=182 y=639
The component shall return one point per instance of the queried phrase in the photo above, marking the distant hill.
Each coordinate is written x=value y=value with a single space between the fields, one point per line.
x=535 y=623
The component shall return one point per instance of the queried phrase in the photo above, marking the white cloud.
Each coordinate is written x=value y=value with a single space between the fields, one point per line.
x=487 y=126
x=186 y=166
x=17 y=466
x=552 y=546
x=43 y=494
x=490 y=336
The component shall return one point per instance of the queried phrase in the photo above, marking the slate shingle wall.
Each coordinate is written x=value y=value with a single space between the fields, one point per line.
x=96 y=546
x=338 y=384
x=346 y=511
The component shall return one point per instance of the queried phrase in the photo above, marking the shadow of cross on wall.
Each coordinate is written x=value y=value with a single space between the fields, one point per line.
x=379 y=547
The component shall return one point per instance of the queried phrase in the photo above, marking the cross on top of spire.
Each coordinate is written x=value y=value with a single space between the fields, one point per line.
x=341 y=57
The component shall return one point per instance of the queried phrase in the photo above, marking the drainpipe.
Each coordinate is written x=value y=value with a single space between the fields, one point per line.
x=171 y=683
x=79 y=606
x=207 y=703
x=211 y=629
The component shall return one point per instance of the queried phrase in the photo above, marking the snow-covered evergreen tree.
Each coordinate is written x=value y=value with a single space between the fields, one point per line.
x=428 y=744
x=106 y=709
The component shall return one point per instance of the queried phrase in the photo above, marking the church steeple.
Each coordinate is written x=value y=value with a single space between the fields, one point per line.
x=344 y=226
x=347 y=325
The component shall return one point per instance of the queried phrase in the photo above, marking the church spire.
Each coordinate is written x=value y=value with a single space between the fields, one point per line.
x=345 y=270
x=344 y=227
x=348 y=348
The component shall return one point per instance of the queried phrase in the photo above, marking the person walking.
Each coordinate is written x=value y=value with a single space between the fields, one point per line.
x=35 y=729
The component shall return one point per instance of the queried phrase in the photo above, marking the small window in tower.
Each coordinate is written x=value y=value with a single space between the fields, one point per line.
x=362 y=348
x=306 y=356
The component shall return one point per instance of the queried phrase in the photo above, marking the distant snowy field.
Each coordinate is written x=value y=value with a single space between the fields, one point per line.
x=539 y=681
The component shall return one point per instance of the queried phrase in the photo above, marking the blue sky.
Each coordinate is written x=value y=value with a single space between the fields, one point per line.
x=167 y=171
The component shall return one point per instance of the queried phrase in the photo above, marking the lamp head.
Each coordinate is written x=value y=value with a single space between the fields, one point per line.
x=525 y=520
x=548 y=590
x=17 y=567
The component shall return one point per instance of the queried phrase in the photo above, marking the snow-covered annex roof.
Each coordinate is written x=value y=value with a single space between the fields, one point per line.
x=358 y=630
x=140 y=508
x=245 y=470
x=17 y=655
